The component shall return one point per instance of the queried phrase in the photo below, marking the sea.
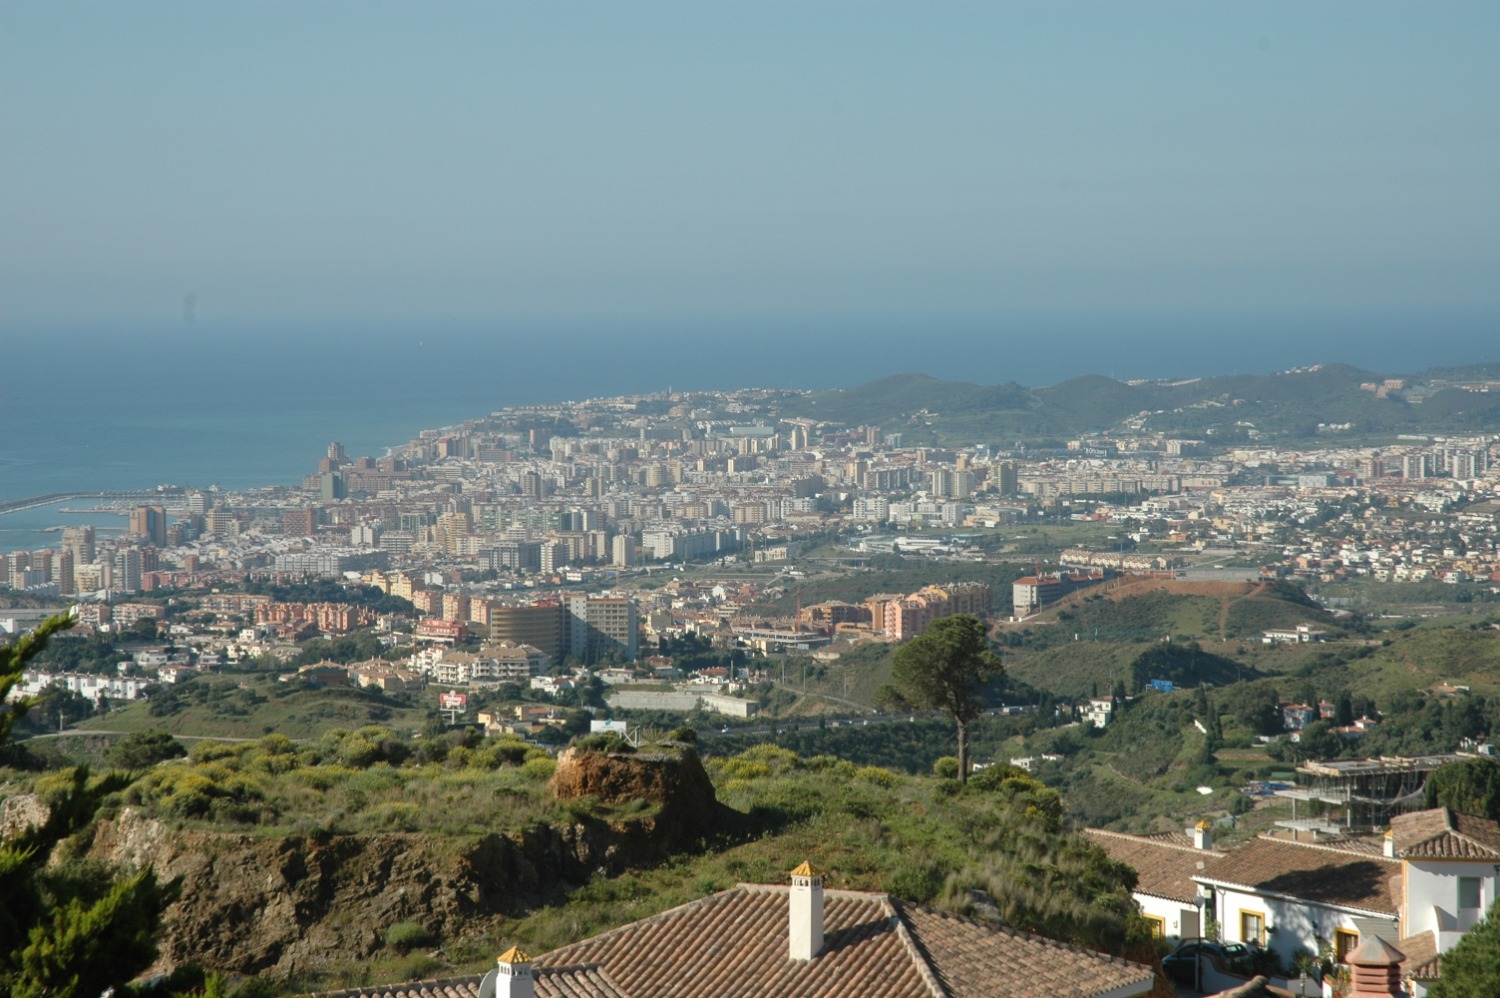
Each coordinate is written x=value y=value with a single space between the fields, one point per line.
x=91 y=409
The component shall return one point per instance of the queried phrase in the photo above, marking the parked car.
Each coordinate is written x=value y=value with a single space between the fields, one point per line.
x=1181 y=965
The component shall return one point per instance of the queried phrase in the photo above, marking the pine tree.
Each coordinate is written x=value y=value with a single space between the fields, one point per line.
x=947 y=667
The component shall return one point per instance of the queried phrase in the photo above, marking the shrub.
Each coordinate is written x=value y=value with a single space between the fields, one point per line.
x=399 y=814
x=946 y=768
x=406 y=936
x=772 y=755
x=745 y=769
x=878 y=776
x=539 y=769
x=606 y=742
x=145 y=749
x=688 y=736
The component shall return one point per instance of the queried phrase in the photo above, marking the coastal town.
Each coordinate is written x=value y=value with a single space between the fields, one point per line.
x=593 y=531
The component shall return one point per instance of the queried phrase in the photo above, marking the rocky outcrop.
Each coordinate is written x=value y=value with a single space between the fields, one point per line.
x=294 y=904
x=19 y=813
x=674 y=779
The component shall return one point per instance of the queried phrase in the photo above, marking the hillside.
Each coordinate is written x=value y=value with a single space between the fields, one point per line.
x=1284 y=405
x=374 y=867
x=251 y=705
x=1156 y=609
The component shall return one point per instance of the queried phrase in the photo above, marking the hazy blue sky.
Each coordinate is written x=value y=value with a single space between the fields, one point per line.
x=388 y=164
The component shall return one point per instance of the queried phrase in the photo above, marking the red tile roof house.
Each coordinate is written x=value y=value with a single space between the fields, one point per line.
x=1429 y=880
x=771 y=941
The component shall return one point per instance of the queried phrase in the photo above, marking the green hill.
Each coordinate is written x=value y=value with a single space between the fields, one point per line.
x=1284 y=405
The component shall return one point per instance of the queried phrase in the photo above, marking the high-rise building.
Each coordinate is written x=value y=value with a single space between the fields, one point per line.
x=299 y=522
x=331 y=486
x=596 y=626
x=80 y=541
x=150 y=522
x=1416 y=466
x=66 y=583
x=127 y=574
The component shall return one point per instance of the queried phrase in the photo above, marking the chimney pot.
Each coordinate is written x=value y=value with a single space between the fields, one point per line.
x=805 y=908
x=513 y=975
x=1203 y=835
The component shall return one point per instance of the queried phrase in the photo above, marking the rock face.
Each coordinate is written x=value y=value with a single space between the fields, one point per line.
x=676 y=781
x=289 y=905
x=19 y=813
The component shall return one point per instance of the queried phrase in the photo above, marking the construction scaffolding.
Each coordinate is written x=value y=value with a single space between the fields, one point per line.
x=1359 y=795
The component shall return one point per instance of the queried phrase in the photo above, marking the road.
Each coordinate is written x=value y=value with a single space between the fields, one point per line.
x=89 y=732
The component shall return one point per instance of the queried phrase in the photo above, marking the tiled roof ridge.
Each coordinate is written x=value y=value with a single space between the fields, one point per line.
x=921 y=959
x=1451 y=828
x=470 y=980
x=1151 y=840
x=1327 y=847
x=428 y=983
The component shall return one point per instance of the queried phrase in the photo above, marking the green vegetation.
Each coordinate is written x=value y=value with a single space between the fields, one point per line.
x=74 y=927
x=365 y=780
x=144 y=749
x=1471 y=786
x=332 y=591
x=248 y=705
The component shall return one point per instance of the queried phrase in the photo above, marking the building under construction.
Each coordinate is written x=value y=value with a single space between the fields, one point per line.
x=1359 y=795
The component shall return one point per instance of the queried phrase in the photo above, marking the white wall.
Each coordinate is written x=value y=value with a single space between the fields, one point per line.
x=1169 y=911
x=1296 y=925
x=1432 y=897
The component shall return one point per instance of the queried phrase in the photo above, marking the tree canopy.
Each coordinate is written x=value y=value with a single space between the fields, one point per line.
x=1471 y=786
x=948 y=667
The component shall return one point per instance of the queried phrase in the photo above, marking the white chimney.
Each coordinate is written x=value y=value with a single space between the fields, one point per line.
x=1390 y=843
x=1203 y=835
x=513 y=975
x=806 y=922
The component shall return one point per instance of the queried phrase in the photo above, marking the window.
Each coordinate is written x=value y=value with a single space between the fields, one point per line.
x=1468 y=892
x=1253 y=927
x=1158 y=926
x=1344 y=943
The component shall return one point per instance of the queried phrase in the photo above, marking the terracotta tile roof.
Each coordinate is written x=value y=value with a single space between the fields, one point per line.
x=1444 y=834
x=575 y=982
x=1361 y=845
x=973 y=959
x=1164 y=866
x=734 y=943
x=1256 y=987
x=457 y=987
x=1421 y=956
x=1311 y=872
